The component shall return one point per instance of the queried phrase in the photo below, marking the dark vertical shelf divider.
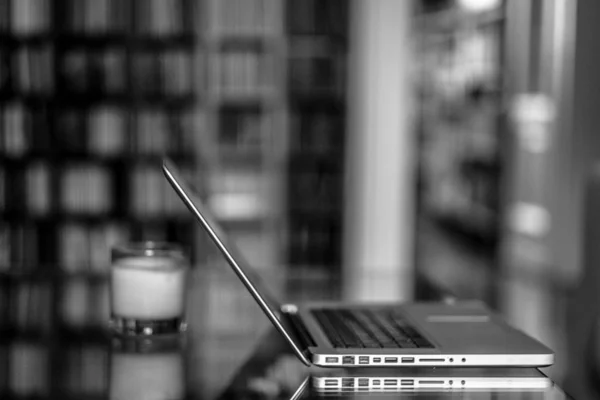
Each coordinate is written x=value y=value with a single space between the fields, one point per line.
x=317 y=40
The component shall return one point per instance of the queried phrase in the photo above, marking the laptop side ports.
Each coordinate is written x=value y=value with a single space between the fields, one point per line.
x=346 y=360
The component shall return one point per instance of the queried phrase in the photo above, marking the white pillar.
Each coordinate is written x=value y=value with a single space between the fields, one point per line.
x=380 y=184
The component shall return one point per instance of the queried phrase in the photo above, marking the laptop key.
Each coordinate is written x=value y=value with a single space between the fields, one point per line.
x=397 y=332
x=330 y=331
x=363 y=331
x=385 y=338
x=369 y=329
x=347 y=336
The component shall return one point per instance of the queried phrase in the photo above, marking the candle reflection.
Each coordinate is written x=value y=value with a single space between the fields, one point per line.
x=149 y=369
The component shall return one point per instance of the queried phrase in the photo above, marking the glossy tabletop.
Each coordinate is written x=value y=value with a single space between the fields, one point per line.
x=230 y=351
x=196 y=366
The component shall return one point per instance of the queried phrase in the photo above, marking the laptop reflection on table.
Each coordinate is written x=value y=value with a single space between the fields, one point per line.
x=431 y=383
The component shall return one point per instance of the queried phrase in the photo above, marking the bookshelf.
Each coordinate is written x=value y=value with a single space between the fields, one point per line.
x=92 y=95
x=247 y=96
x=317 y=42
x=461 y=147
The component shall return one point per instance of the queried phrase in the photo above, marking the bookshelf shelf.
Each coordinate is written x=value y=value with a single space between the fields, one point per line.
x=248 y=99
x=317 y=43
x=31 y=336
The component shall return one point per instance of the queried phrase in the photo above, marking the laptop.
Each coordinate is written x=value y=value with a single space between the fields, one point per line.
x=376 y=335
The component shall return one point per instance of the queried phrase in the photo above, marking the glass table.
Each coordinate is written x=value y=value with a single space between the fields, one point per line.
x=196 y=366
x=230 y=351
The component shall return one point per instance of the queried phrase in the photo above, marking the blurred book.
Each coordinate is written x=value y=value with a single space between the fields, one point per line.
x=102 y=238
x=75 y=303
x=146 y=74
x=5 y=16
x=245 y=72
x=314 y=241
x=100 y=304
x=316 y=67
x=317 y=192
x=29 y=372
x=147 y=196
x=38 y=188
x=85 y=371
x=86 y=189
x=160 y=17
x=95 y=15
x=5 y=248
x=244 y=130
x=318 y=132
x=30 y=16
x=70 y=126
x=152 y=133
x=74 y=247
x=2 y=191
x=35 y=72
x=176 y=72
x=314 y=17
x=31 y=306
x=107 y=131
x=24 y=244
x=244 y=18
x=74 y=70
x=109 y=70
x=16 y=136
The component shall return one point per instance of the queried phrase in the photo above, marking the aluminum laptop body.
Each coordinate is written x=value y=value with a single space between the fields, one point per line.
x=459 y=334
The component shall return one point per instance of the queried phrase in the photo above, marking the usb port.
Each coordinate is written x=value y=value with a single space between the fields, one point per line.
x=331 y=382
x=390 y=360
x=390 y=382
x=332 y=360
x=376 y=382
x=363 y=359
x=408 y=359
x=348 y=360
x=376 y=359
x=407 y=382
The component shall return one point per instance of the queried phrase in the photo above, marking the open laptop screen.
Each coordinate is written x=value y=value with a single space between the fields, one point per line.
x=270 y=306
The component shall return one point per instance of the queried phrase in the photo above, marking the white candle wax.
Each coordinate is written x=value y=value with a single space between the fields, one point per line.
x=148 y=288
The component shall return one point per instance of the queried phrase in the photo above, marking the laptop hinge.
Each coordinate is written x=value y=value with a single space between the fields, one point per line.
x=299 y=330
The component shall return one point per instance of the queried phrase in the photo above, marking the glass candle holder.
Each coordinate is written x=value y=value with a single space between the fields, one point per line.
x=148 y=289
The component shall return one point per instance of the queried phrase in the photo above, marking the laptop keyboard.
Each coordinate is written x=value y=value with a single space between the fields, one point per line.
x=369 y=329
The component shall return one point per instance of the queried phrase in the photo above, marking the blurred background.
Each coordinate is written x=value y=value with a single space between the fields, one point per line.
x=361 y=150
